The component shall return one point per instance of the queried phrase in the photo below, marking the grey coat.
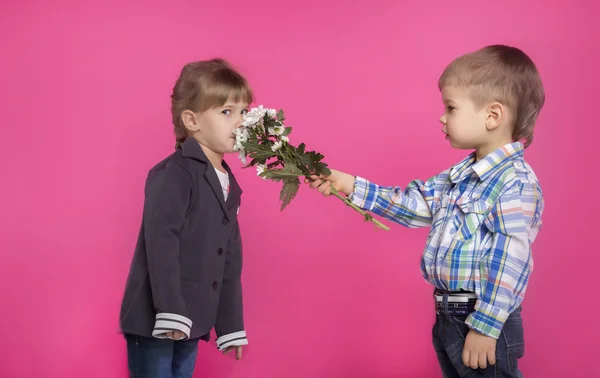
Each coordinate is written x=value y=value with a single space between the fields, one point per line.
x=186 y=269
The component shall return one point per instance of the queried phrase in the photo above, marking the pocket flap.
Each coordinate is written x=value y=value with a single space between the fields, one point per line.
x=474 y=205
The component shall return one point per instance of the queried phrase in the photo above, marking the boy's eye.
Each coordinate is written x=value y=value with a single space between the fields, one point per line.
x=450 y=108
x=226 y=112
x=245 y=111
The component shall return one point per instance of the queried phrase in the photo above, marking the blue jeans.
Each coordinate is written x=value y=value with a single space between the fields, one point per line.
x=449 y=334
x=160 y=358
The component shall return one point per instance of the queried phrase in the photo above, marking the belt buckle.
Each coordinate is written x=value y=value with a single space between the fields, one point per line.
x=458 y=302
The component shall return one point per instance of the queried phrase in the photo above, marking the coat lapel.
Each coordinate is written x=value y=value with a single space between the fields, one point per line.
x=191 y=148
x=215 y=185
x=234 y=191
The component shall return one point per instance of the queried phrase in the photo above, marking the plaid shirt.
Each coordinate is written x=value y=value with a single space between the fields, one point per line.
x=484 y=216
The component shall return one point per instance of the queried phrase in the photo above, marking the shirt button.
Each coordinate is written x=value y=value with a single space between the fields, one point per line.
x=225 y=221
x=215 y=285
x=220 y=251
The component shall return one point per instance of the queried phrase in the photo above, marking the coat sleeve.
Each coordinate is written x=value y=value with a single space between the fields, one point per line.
x=167 y=197
x=229 y=325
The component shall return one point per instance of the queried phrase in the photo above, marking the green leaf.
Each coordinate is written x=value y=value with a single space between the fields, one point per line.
x=301 y=148
x=321 y=168
x=273 y=164
x=260 y=156
x=303 y=163
x=288 y=172
x=315 y=156
x=254 y=147
x=302 y=166
x=258 y=151
x=289 y=191
x=280 y=115
x=287 y=131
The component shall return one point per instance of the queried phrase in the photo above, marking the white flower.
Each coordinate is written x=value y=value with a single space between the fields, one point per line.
x=276 y=146
x=243 y=156
x=260 y=111
x=284 y=138
x=256 y=116
x=260 y=169
x=241 y=136
x=276 y=130
x=251 y=119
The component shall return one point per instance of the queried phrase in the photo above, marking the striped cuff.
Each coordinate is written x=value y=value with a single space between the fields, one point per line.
x=166 y=322
x=232 y=339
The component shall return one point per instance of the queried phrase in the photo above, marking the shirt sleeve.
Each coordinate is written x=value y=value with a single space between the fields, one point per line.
x=412 y=207
x=167 y=199
x=506 y=268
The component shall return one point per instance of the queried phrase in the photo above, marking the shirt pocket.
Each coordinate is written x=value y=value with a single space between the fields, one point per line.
x=474 y=213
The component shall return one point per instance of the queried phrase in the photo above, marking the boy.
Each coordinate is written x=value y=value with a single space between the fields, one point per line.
x=484 y=212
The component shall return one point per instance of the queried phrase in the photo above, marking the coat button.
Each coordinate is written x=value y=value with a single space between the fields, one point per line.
x=220 y=251
x=215 y=285
x=225 y=221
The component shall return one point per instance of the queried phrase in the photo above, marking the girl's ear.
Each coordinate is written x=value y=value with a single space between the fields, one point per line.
x=190 y=120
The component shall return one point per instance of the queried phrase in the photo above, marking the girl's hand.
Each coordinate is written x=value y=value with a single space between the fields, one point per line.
x=238 y=351
x=176 y=335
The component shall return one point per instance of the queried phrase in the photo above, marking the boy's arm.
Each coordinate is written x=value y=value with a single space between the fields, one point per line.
x=507 y=267
x=229 y=325
x=166 y=203
x=412 y=207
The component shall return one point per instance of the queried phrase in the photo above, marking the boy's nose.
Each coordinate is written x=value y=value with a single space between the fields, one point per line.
x=443 y=119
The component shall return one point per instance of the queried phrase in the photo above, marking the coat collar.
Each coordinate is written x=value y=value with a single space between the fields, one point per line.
x=190 y=148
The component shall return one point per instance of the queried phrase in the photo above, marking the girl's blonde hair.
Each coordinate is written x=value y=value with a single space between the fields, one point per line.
x=204 y=85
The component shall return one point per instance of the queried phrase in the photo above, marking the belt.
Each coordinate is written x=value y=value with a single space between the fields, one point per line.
x=454 y=303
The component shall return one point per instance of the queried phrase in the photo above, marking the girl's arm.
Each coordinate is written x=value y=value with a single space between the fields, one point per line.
x=167 y=197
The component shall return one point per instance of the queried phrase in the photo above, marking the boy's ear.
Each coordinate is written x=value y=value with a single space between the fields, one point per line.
x=190 y=120
x=496 y=112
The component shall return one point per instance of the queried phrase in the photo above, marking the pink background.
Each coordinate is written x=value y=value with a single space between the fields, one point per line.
x=85 y=113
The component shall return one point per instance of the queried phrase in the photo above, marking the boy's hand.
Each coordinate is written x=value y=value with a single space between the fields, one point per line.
x=341 y=181
x=479 y=350
x=238 y=351
x=176 y=335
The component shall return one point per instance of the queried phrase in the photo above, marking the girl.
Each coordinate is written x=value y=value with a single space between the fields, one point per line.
x=185 y=274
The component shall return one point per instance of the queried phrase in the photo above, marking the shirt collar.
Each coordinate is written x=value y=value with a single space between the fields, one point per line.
x=484 y=167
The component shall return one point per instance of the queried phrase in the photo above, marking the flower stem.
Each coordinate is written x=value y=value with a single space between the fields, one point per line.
x=368 y=217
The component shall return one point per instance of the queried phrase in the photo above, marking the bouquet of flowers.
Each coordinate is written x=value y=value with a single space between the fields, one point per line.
x=265 y=140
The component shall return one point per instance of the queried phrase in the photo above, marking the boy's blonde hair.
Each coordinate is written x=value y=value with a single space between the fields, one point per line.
x=504 y=74
x=203 y=85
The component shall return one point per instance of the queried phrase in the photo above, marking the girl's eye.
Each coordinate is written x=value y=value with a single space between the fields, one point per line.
x=245 y=111
x=450 y=108
x=226 y=112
